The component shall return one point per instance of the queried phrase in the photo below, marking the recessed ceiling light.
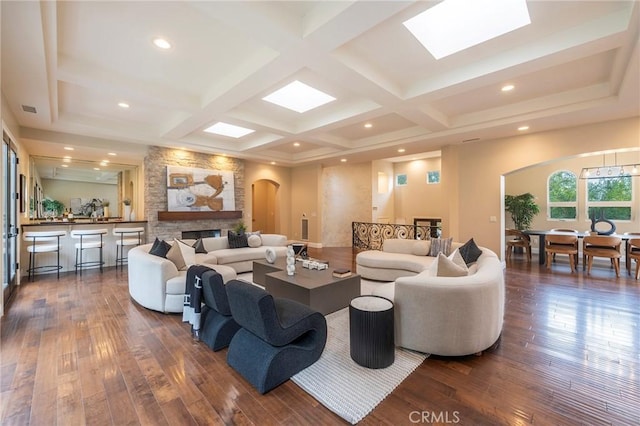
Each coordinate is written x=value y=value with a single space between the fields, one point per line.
x=454 y=25
x=298 y=97
x=113 y=154
x=401 y=150
x=344 y=160
x=103 y=164
x=68 y=148
x=296 y=144
x=508 y=87
x=96 y=168
x=226 y=129
x=273 y=163
x=64 y=165
x=368 y=125
x=161 y=43
x=523 y=128
x=123 y=105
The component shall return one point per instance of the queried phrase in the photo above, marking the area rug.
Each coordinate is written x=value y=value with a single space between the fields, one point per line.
x=344 y=387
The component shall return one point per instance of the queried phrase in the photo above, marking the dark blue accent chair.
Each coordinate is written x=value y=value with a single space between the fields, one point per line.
x=278 y=337
x=217 y=325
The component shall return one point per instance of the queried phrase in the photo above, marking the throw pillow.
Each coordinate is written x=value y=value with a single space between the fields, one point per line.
x=470 y=251
x=440 y=245
x=456 y=257
x=199 y=246
x=175 y=255
x=188 y=253
x=254 y=241
x=421 y=248
x=447 y=268
x=160 y=248
x=237 y=240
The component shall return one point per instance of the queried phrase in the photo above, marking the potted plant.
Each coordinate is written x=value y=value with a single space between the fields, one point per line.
x=105 y=208
x=522 y=209
x=53 y=206
x=240 y=228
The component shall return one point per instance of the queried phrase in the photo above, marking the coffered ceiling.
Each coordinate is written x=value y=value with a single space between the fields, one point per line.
x=74 y=61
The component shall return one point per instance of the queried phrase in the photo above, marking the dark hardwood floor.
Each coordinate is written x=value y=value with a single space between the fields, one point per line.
x=80 y=351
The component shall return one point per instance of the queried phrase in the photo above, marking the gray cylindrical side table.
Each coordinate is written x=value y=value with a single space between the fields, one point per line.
x=371 y=331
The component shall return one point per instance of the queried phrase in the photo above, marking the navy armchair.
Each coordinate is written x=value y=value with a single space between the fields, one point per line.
x=277 y=339
x=218 y=326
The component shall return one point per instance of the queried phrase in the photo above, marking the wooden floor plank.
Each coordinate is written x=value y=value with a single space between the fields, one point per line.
x=80 y=351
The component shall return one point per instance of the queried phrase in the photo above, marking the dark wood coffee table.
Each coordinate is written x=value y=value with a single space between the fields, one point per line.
x=319 y=290
x=261 y=268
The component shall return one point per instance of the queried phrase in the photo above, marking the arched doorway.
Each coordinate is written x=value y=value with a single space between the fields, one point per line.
x=264 y=206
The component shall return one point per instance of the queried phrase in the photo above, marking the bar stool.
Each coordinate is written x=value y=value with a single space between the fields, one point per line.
x=43 y=242
x=89 y=238
x=127 y=237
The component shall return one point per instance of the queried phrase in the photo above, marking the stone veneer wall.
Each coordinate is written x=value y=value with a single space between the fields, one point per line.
x=155 y=190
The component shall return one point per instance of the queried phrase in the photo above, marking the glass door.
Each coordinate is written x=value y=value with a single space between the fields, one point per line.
x=9 y=167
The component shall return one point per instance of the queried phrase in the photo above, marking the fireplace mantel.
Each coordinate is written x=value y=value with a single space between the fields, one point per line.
x=223 y=214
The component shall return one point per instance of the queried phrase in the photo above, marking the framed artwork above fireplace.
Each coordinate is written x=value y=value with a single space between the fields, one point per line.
x=199 y=190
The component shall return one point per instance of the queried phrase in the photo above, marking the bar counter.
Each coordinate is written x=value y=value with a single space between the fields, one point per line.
x=67 y=244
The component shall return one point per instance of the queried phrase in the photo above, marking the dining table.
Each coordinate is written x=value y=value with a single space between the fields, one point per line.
x=542 y=234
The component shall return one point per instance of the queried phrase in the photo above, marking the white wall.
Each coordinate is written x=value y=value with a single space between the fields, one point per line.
x=418 y=198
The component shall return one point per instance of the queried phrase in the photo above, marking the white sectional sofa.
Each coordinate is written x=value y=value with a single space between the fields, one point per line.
x=440 y=315
x=156 y=283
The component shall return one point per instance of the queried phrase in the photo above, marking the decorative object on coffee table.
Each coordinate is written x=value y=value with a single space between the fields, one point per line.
x=371 y=331
x=291 y=260
x=271 y=255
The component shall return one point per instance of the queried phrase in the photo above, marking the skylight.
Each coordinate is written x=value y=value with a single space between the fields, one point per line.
x=455 y=25
x=230 y=130
x=298 y=97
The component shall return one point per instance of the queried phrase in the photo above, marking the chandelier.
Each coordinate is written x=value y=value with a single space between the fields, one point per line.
x=612 y=171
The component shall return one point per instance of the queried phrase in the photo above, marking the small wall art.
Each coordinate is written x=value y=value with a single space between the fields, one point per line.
x=433 y=177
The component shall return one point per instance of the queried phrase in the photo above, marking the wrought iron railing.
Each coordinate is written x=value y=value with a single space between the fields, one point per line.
x=370 y=236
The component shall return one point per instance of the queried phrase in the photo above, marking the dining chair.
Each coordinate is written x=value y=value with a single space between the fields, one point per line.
x=601 y=246
x=573 y=231
x=633 y=247
x=562 y=244
x=628 y=249
x=516 y=238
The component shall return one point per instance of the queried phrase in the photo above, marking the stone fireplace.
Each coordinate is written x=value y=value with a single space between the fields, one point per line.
x=155 y=191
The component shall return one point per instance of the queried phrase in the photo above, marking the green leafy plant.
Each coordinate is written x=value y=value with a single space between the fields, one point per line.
x=126 y=202
x=105 y=203
x=240 y=227
x=54 y=206
x=522 y=208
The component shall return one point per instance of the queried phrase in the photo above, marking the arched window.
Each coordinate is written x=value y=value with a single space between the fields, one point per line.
x=562 y=195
